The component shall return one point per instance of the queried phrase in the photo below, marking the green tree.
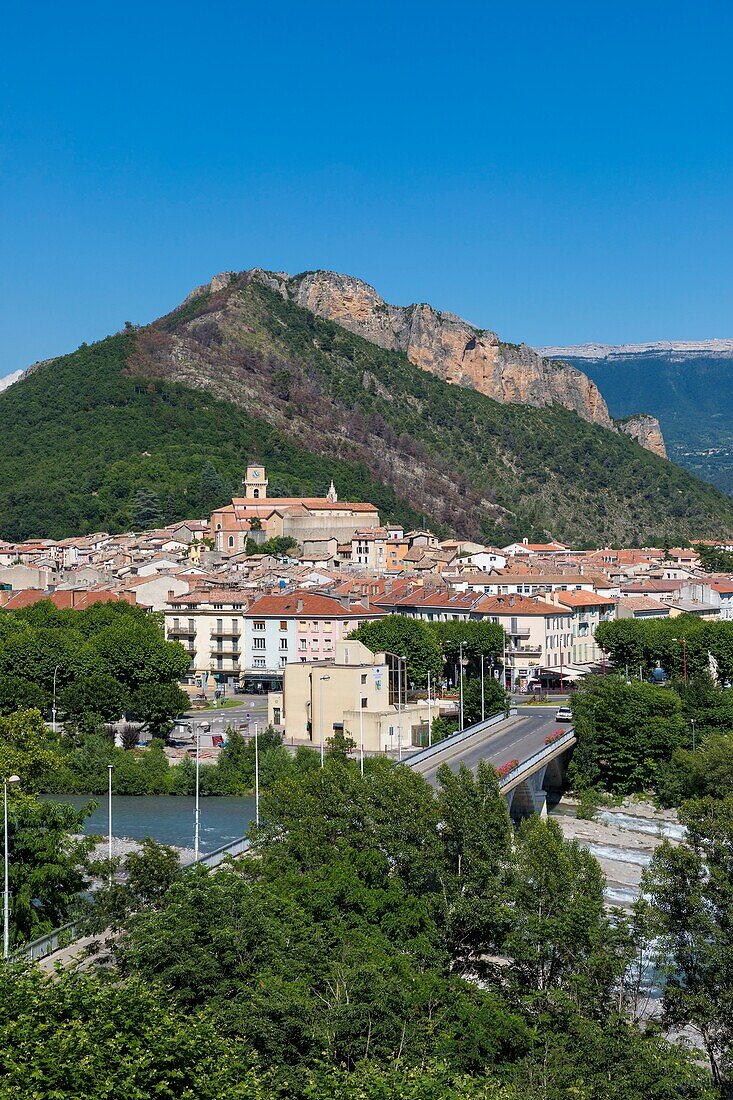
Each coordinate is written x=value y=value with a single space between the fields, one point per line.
x=690 y=889
x=145 y=509
x=408 y=638
x=495 y=699
x=97 y=694
x=157 y=705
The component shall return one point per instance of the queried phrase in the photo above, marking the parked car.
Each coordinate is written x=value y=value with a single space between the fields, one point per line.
x=564 y=714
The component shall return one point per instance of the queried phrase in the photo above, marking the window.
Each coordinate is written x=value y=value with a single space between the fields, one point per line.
x=283 y=643
x=259 y=662
x=327 y=644
x=258 y=643
x=326 y=625
x=364 y=703
x=231 y=541
x=363 y=677
x=190 y=625
x=176 y=624
x=219 y=625
x=218 y=606
x=283 y=624
x=302 y=644
x=258 y=626
x=219 y=662
x=276 y=716
x=302 y=625
x=283 y=661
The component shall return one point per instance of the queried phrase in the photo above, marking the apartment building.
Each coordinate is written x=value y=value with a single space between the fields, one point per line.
x=300 y=626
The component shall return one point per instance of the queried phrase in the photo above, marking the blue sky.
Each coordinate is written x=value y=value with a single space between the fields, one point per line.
x=559 y=172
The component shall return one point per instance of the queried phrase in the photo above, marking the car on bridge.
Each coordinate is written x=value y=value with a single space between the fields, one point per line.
x=564 y=714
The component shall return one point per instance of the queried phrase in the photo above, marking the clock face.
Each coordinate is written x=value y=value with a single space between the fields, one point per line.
x=255 y=473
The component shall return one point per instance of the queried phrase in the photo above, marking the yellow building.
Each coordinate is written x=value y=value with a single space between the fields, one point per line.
x=358 y=694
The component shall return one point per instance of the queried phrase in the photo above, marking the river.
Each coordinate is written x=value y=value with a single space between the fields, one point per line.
x=167 y=819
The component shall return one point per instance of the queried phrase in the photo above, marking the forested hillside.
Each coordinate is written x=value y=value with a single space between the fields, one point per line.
x=157 y=424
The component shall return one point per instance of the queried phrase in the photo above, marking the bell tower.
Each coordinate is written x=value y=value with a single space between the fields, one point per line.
x=255 y=483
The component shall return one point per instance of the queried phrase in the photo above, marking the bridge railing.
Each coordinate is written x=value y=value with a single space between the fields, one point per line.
x=461 y=735
x=68 y=933
x=528 y=765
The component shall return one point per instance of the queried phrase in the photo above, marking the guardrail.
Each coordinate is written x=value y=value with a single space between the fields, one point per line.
x=69 y=933
x=528 y=764
x=461 y=735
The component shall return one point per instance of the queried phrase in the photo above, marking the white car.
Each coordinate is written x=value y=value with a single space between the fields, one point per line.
x=564 y=714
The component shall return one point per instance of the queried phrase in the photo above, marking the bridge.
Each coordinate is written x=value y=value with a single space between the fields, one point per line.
x=529 y=738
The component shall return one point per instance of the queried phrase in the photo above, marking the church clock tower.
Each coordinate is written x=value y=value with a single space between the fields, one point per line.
x=255 y=483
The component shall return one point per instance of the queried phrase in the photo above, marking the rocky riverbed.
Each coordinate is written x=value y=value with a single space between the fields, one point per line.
x=623 y=839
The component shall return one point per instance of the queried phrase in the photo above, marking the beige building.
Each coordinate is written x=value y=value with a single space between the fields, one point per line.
x=357 y=694
x=259 y=517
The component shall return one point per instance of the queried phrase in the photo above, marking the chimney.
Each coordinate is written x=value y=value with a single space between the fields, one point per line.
x=299 y=605
x=511 y=601
x=171 y=595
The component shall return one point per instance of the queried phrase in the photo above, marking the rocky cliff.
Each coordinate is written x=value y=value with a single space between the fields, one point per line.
x=441 y=343
x=645 y=430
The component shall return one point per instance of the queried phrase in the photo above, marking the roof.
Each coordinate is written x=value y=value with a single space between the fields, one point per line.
x=643 y=603
x=585 y=599
x=310 y=605
x=516 y=605
x=66 y=599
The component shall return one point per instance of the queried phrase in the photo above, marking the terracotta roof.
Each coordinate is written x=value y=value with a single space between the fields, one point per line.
x=643 y=603
x=585 y=599
x=516 y=605
x=308 y=604
x=66 y=599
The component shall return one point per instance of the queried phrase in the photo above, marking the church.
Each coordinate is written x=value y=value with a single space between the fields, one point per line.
x=259 y=517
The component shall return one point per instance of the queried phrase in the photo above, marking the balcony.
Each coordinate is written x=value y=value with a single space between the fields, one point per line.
x=182 y=632
x=227 y=651
x=232 y=633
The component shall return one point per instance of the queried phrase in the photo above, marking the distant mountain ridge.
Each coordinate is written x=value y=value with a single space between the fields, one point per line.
x=723 y=348
x=684 y=384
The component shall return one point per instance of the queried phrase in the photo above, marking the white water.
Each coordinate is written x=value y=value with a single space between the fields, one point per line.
x=671 y=830
x=619 y=855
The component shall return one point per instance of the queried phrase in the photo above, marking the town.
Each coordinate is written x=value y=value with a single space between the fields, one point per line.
x=265 y=584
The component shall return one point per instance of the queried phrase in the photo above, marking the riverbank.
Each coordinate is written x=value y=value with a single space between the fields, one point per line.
x=622 y=838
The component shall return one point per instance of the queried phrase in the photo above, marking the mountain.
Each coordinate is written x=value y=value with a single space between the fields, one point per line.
x=158 y=423
x=686 y=385
x=9 y=379
x=442 y=343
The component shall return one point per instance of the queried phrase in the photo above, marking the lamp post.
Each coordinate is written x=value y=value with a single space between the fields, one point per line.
x=257 y=777
x=6 y=892
x=53 y=709
x=430 y=715
x=399 y=703
x=322 y=680
x=361 y=737
x=460 y=686
x=109 y=820
x=197 y=808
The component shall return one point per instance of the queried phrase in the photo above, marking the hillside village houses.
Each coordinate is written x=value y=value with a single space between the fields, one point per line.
x=246 y=617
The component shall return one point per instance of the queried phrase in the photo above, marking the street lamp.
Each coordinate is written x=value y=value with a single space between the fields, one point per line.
x=11 y=779
x=399 y=703
x=257 y=776
x=109 y=820
x=197 y=809
x=460 y=685
x=53 y=709
x=322 y=680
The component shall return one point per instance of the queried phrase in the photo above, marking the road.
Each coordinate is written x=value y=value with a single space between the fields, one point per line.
x=516 y=739
x=253 y=708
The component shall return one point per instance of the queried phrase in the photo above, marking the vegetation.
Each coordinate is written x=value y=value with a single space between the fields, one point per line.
x=98 y=664
x=681 y=646
x=113 y=436
x=715 y=559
